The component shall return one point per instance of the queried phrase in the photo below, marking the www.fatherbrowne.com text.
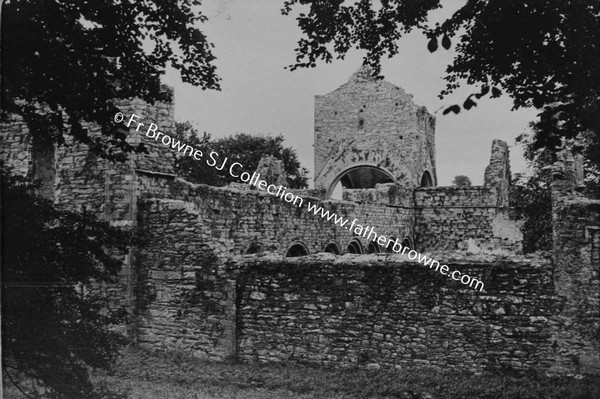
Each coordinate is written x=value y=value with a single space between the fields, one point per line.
x=236 y=170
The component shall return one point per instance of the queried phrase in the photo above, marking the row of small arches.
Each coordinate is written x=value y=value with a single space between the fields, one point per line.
x=354 y=246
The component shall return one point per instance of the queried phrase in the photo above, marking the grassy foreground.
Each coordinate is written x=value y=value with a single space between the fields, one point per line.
x=142 y=374
x=160 y=375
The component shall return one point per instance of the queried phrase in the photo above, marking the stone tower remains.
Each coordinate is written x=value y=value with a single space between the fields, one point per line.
x=369 y=131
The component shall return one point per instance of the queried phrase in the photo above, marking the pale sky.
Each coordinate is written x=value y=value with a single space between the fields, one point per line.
x=254 y=42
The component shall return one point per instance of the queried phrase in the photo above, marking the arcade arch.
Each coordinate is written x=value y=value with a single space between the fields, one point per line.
x=355 y=247
x=297 y=249
x=332 y=247
x=360 y=176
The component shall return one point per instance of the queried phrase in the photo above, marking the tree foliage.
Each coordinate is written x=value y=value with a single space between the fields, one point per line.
x=461 y=181
x=54 y=326
x=530 y=195
x=243 y=148
x=543 y=54
x=531 y=202
x=75 y=59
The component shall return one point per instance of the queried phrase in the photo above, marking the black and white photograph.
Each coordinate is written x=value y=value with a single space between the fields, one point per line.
x=300 y=199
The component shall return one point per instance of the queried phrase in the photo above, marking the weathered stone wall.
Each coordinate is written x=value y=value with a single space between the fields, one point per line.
x=189 y=294
x=193 y=223
x=77 y=179
x=176 y=307
x=369 y=122
x=368 y=311
x=376 y=310
x=110 y=189
x=497 y=173
x=466 y=218
x=15 y=145
x=235 y=218
x=576 y=252
x=383 y=194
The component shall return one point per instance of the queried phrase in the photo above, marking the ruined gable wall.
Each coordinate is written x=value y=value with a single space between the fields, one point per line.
x=395 y=134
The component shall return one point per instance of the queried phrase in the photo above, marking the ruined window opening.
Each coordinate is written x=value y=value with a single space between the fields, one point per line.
x=354 y=247
x=296 y=250
x=390 y=245
x=426 y=180
x=373 y=248
x=361 y=123
x=407 y=243
x=333 y=248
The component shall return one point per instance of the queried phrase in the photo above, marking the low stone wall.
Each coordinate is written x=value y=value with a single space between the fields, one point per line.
x=381 y=311
x=369 y=311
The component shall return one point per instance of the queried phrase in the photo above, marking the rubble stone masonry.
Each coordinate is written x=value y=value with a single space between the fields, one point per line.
x=191 y=285
x=370 y=122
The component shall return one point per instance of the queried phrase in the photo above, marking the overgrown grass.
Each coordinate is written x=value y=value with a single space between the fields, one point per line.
x=168 y=375
x=161 y=375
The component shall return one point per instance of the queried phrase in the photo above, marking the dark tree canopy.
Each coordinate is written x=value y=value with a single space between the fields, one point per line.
x=530 y=198
x=543 y=54
x=54 y=327
x=243 y=148
x=75 y=58
x=461 y=181
x=531 y=202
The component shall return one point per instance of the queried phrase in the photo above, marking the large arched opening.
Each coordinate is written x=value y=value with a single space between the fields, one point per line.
x=362 y=176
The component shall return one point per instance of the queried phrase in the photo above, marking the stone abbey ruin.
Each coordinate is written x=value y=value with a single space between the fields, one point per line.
x=231 y=272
